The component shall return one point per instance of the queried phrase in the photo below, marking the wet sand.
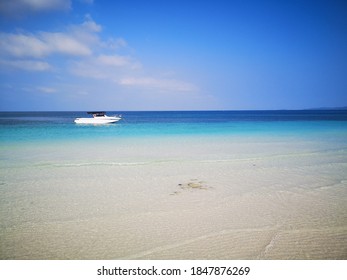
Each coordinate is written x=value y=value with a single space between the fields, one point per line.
x=196 y=198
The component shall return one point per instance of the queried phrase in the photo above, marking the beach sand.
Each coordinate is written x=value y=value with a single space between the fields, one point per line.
x=175 y=198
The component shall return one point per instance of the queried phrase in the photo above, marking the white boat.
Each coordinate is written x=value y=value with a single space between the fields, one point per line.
x=98 y=118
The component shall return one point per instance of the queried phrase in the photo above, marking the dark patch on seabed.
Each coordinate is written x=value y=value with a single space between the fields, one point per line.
x=192 y=184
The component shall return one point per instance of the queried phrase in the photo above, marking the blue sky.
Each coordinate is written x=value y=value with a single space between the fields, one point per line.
x=172 y=55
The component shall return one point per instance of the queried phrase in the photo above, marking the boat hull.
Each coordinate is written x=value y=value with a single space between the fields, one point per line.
x=97 y=120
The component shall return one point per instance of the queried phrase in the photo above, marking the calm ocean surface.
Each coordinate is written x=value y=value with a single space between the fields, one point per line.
x=16 y=127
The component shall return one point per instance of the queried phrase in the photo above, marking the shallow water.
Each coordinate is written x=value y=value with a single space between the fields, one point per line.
x=256 y=188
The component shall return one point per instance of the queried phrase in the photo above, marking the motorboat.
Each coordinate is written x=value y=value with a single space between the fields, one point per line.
x=98 y=118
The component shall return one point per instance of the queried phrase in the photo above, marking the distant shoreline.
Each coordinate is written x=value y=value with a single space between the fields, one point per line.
x=328 y=108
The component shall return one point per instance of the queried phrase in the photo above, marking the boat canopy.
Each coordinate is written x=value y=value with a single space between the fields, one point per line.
x=98 y=114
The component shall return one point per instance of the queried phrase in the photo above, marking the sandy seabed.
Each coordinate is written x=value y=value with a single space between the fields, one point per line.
x=181 y=198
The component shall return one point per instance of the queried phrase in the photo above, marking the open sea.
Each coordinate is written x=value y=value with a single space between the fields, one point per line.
x=27 y=127
x=174 y=185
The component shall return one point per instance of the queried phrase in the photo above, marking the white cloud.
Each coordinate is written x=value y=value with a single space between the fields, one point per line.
x=118 y=61
x=113 y=60
x=114 y=44
x=44 y=5
x=42 y=45
x=27 y=65
x=65 y=44
x=26 y=51
x=104 y=66
x=118 y=69
x=90 y=25
x=14 y=8
x=89 y=55
x=77 y=40
x=161 y=84
x=20 y=45
x=89 y=69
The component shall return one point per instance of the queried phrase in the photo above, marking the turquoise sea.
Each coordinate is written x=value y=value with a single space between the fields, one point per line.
x=16 y=127
x=174 y=185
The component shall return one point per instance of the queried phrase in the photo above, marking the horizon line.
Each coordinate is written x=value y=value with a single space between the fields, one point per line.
x=194 y=110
